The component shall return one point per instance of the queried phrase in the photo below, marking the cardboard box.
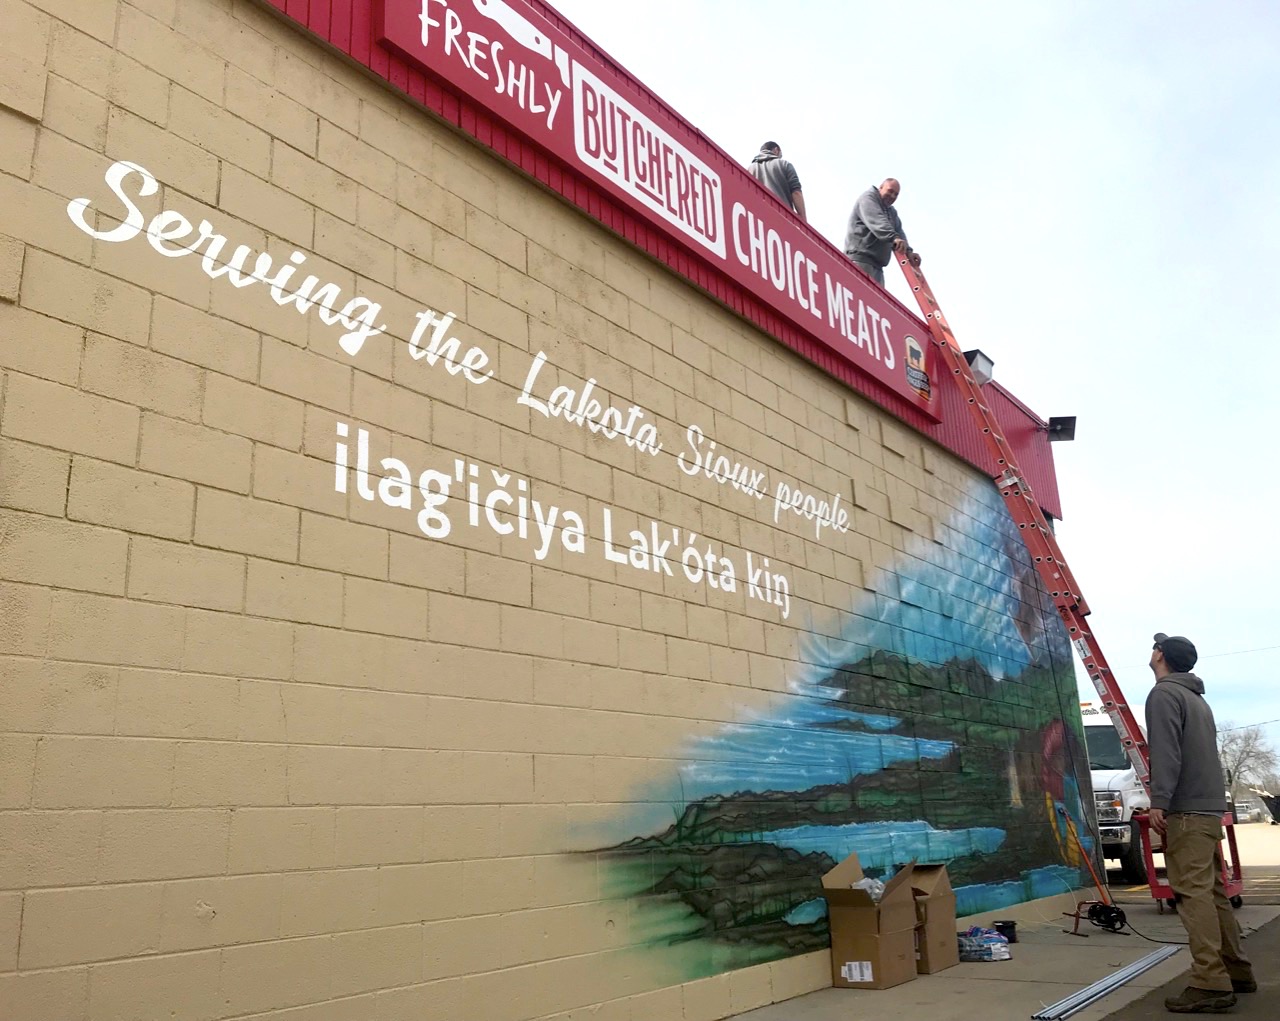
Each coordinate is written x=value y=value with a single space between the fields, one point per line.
x=872 y=945
x=936 y=946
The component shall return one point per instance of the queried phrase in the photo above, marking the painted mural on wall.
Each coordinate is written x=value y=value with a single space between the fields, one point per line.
x=938 y=727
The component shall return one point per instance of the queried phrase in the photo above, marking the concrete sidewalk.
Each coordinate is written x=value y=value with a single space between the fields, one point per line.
x=1048 y=965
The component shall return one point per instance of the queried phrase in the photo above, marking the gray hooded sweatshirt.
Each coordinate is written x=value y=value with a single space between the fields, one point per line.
x=776 y=174
x=873 y=225
x=1186 y=773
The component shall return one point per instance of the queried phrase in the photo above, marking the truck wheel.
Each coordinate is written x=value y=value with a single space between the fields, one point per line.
x=1133 y=866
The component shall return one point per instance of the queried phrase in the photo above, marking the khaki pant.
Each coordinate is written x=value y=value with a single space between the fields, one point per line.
x=1194 y=866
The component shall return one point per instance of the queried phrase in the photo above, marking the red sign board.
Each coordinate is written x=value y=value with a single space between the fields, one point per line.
x=510 y=60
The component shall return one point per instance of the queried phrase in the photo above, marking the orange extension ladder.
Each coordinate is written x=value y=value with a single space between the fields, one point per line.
x=1047 y=557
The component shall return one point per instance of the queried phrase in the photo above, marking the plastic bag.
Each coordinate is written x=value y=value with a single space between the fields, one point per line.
x=979 y=944
x=872 y=886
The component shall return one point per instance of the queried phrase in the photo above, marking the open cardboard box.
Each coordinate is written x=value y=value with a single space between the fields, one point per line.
x=936 y=946
x=872 y=945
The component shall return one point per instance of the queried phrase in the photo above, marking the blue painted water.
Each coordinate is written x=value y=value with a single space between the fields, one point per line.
x=882 y=845
x=1042 y=882
x=978 y=897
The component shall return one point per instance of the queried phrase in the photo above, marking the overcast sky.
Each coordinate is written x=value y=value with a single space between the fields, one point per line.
x=1093 y=186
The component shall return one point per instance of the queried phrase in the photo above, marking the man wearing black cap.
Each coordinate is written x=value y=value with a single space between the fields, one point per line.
x=1187 y=804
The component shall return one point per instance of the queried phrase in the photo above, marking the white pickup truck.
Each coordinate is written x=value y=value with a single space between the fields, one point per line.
x=1117 y=793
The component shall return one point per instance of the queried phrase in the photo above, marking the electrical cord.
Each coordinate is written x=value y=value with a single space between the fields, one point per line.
x=1109 y=917
x=1112 y=919
x=1152 y=939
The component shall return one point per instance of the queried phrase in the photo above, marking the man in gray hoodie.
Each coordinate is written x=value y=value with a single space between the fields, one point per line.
x=779 y=176
x=1188 y=801
x=875 y=231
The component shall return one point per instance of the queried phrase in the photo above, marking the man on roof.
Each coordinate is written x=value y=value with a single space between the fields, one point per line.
x=875 y=231
x=779 y=176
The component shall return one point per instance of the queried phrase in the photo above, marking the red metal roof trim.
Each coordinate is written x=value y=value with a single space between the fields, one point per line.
x=347 y=25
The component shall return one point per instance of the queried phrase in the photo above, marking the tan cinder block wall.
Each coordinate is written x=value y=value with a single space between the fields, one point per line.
x=267 y=748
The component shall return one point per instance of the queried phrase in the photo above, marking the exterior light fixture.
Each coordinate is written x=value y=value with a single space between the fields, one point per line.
x=980 y=364
x=1062 y=428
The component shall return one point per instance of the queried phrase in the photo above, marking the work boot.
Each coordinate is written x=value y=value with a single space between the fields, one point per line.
x=1201 y=1001
x=1244 y=985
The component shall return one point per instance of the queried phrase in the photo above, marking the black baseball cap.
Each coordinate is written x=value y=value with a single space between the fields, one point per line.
x=1179 y=653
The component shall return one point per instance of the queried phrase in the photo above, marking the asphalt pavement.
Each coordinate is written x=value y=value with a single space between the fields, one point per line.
x=1263 y=948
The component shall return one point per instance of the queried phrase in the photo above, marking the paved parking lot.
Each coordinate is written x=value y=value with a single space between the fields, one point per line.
x=1259 y=848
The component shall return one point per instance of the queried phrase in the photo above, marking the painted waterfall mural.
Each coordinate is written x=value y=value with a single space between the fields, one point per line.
x=940 y=725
